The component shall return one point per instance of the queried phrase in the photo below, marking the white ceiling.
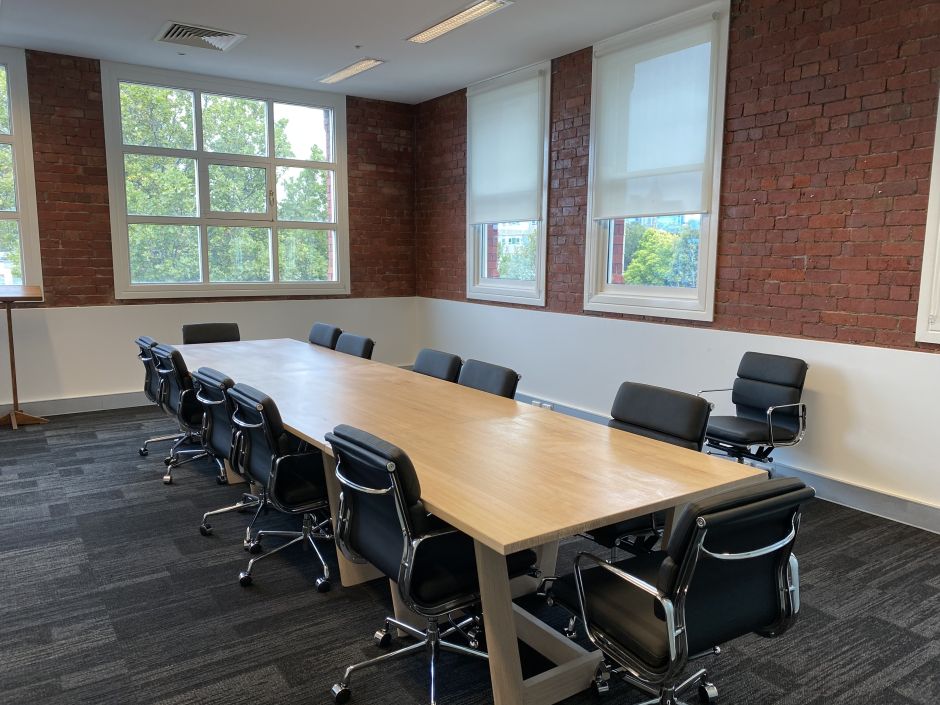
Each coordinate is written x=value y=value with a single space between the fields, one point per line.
x=296 y=42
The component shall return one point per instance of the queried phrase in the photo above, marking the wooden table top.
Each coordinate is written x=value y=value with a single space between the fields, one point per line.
x=509 y=474
x=20 y=293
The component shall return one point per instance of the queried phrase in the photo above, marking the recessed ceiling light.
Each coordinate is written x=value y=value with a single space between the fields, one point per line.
x=352 y=70
x=474 y=12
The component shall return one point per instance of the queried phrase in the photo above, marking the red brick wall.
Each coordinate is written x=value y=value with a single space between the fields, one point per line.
x=72 y=188
x=830 y=115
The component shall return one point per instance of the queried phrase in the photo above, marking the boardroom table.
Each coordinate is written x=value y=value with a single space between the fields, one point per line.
x=511 y=475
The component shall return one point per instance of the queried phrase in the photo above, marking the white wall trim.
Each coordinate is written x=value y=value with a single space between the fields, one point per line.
x=928 y=305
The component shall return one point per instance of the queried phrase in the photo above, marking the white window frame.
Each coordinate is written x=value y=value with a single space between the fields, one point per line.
x=664 y=302
x=21 y=139
x=509 y=290
x=928 y=304
x=112 y=74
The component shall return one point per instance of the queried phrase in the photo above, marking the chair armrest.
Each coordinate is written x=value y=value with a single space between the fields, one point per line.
x=711 y=391
x=800 y=431
x=634 y=582
x=793 y=583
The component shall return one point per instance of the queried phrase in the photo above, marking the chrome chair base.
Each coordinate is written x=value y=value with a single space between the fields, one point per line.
x=313 y=530
x=707 y=692
x=144 y=451
x=431 y=639
x=248 y=501
x=178 y=457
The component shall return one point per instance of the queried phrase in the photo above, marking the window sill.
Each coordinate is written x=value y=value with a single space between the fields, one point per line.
x=507 y=295
x=680 y=308
x=176 y=292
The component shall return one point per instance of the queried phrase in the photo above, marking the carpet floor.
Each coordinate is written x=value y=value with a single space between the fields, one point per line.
x=109 y=594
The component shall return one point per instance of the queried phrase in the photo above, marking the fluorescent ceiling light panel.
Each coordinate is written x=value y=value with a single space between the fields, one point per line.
x=352 y=70
x=474 y=12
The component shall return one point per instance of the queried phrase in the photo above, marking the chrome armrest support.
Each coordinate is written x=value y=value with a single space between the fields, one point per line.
x=793 y=581
x=635 y=582
x=757 y=552
x=800 y=432
x=711 y=391
x=206 y=401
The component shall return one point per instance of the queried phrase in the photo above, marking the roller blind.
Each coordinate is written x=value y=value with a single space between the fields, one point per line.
x=505 y=149
x=653 y=118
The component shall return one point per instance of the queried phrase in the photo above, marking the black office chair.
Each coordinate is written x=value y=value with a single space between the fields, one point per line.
x=288 y=471
x=769 y=413
x=324 y=335
x=728 y=570
x=179 y=401
x=382 y=520
x=210 y=333
x=435 y=363
x=211 y=388
x=487 y=377
x=152 y=384
x=664 y=415
x=357 y=345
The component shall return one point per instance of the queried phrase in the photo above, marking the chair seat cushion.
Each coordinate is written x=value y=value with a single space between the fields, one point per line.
x=625 y=614
x=744 y=432
x=300 y=481
x=608 y=535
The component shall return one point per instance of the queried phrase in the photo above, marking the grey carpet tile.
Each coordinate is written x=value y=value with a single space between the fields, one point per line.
x=110 y=596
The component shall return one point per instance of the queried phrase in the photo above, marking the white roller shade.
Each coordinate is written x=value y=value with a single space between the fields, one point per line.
x=505 y=148
x=653 y=119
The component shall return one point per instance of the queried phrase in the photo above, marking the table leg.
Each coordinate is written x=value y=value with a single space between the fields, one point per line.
x=349 y=573
x=500 y=625
x=16 y=418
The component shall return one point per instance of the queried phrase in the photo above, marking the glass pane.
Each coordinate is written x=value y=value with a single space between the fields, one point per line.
x=510 y=250
x=237 y=189
x=11 y=255
x=7 y=179
x=234 y=125
x=239 y=254
x=152 y=116
x=303 y=133
x=4 y=102
x=160 y=185
x=305 y=255
x=164 y=254
x=304 y=194
x=659 y=251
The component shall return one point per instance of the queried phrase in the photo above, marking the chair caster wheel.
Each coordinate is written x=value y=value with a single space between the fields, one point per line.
x=167 y=479
x=221 y=479
x=168 y=461
x=254 y=546
x=341 y=694
x=707 y=693
x=205 y=529
x=600 y=688
x=323 y=585
x=143 y=452
x=244 y=579
x=382 y=639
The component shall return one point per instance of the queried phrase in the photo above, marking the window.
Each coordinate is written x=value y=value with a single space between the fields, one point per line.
x=19 y=235
x=656 y=133
x=928 y=308
x=222 y=188
x=507 y=153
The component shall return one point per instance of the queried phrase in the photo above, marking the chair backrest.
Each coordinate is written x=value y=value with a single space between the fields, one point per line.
x=435 y=363
x=211 y=387
x=151 y=378
x=663 y=414
x=324 y=335
x=171 y=367
x=259 y=433
x=727 y=560
x=210 y=333
x=769 y=380
x=487 y=377
x=381 y=504
x=358 y=345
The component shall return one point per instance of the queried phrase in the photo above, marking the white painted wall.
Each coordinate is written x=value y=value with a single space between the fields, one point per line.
x=872 y=411
x=66 y=353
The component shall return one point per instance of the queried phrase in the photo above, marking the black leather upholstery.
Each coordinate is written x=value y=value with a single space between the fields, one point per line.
x=324 y=335
x=217 y=434
x=298 y=483
x=487 y=377
x=179 y=399
x=662 y=414
x=763 y=381
x=357 y=345
x=435 y=363
x=210 y=333
x=444 y=565
x=151 y=378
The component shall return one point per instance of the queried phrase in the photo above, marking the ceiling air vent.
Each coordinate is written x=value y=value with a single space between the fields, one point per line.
x=191 y=35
